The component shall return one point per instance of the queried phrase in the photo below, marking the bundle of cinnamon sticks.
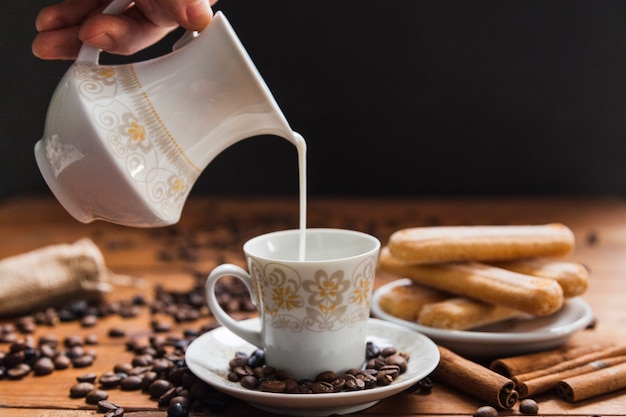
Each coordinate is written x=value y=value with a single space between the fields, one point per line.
x=574 y=373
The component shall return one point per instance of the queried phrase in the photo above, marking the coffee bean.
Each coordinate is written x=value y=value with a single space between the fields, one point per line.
x=81 y=389
x=322 y=387
x=106 y=406
x=95 y=396
x=486 y=411
x=159 y=387
x=83 y=361
x=273 y=386
x=528 y=406
x=131 y=383
x=326 y=376
x=61 y=361
x=110 y=379
x=117 y=332
x=398 y=360
x=89 y=377
x=43 y=366
x=19 y=371
x=118 y=412
x=177 y=409
x=250 y=382
x=89 y=320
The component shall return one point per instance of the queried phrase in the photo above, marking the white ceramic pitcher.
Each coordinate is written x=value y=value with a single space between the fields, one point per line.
x=126 y=143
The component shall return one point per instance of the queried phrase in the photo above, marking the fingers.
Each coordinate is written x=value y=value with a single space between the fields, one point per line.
x=124 y=34
x=57 y=44
x=190 y=14
x=65 y=26
x=66 y=14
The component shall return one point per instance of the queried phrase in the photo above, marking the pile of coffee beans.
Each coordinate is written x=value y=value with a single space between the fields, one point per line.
x=45 y=355
x=157 y=369
x=382 y=367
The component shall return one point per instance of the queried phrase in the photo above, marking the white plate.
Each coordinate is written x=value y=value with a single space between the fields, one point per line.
x=208 y=357
x=512 y=337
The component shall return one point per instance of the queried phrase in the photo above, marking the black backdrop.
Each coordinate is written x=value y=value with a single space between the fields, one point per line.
x=401 y=97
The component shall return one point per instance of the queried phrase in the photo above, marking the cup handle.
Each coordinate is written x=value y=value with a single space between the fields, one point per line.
x=249 y=335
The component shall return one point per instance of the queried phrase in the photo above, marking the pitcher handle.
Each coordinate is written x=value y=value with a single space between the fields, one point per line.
x=90 y=54
x=249 y=335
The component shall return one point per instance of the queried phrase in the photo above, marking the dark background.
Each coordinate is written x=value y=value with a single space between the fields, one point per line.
x=393 y=97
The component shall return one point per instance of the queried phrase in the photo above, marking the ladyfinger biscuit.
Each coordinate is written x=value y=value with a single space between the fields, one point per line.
x=462 y=313
x=572 y=277
x=406 y=301
x=533 y=295
x=480 y=243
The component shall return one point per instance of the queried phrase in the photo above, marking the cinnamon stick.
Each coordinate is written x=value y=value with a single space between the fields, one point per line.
x=547 y=382
x=517 y=365
x=475 y=380
x=589 y=385
x=608 y=352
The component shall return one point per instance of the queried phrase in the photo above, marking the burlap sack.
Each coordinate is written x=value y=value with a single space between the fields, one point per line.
x=52 y=276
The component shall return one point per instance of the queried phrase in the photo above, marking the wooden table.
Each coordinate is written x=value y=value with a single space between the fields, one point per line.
x=212 y=230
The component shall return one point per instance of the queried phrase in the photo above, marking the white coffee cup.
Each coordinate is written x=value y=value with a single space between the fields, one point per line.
x=313 y=312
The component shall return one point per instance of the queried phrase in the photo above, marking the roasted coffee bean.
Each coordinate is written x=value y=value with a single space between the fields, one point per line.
x=117 y=332
x=118 y=412
x=74 y=340
x=61 y=361
x=111 y=379
x=47 y=351
x=83 y=361
x=147 y=379
x=486 y=411
x=43 y=366
x=371 y=350
x=354 y=384
x=250 y=382
x=91 y=340
x=106 y=406
x=177 y=409
x=19 y=371
x=95 y=396
x=131 y=383
x=388 y=351
x=238 y=361
x=384 y=379
x=89 y=377
x=392 y=370
x=257 y=358
x=159 y=387
x=81 y=389
x=299 y=389
x=326 y=376
x=528 y=406
x=398 y=360
x=368 y=379
x=165 y=399
x=322 y=387
x=376 y=363
x=273 y=386
x=89 y=320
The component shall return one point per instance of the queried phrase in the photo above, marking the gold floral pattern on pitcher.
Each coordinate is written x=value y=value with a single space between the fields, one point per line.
x=136 y=134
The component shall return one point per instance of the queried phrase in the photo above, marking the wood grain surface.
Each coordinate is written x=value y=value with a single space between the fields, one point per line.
x=212 y=231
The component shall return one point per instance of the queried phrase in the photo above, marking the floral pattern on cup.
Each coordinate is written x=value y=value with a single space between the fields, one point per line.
x=316 y=303
x=135 y=133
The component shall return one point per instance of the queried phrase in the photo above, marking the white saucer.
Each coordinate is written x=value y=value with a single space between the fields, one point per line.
x=512 y=337
x=208 y=357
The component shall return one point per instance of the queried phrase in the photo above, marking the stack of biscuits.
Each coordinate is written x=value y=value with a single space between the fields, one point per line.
x=465 y=277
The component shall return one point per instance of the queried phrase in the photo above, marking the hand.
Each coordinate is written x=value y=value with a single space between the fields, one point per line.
x=65 y=26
